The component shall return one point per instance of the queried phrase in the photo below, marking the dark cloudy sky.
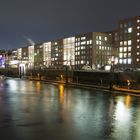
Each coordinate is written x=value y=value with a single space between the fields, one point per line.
x=44 y=20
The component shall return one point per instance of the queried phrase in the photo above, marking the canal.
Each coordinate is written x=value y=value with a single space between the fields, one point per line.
x=33 y=110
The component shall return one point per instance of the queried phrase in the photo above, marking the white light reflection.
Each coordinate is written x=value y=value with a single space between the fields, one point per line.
x=122 y=120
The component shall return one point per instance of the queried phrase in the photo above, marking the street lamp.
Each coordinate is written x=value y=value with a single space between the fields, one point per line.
x=113 y=62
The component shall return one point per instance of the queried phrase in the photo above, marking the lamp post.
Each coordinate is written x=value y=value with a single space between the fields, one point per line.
x=113 y=61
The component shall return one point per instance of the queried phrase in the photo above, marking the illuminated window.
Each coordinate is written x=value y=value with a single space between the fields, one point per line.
x=138 y=47
x=138 y=53
x=129 y=54
x=125 y=55
x=138 y=59
x=129 y=48
x=120 y=55
x=120 y=61
x=83 y=38
x=125 y=49
x=121 y=49
x=138 y=27
x=99 y=37
x=82 y=62
x=129 y=61
x=125 y=43
x=124 y=61
x=90 y=41
x=84 y=42
x=129 y=42
x=130 y=30
x=100 y=43
x=97 y=42
x=138 y=34
x=138 y=40
x=105 y=38
x=121 y=43
x=82 y=47
x=138 y=20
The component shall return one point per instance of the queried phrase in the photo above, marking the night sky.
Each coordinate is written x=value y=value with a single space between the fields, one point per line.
x=46 y=20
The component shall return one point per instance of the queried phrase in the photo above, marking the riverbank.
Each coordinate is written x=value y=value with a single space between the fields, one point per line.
x=99 y=87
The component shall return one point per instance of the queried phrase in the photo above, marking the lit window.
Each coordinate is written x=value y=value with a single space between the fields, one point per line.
x=138 y=20
x=138 y=34
x=82 y=47
x=83 y=38
x=82 y=62
x=130 y=30
x=129 y=61
x=125 y=43
x=99 y=37
x=121 y=43
x=87 y=42
x=138 y=40
x=138 y=53
x=121 y=49
x=138 y=47
x=120 y=61
x=105 y=38
x=90 y=41
x=100 y=42
x=125 y=55
x=129 y=48
x=124 y=61
x=125 y=49
x=138 y=59
x=129 y=54
x=84 y=42
x=100 y=47
x=120 y=55
x=97 y=42
x=129 y=42
x=138 y=27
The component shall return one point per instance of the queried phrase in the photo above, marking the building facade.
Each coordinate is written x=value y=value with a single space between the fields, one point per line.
x=94 y=49
x=129 y=43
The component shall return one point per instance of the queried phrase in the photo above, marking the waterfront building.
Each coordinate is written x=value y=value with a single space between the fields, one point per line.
x=129 y=43
x=93 y=49
x=57 y=53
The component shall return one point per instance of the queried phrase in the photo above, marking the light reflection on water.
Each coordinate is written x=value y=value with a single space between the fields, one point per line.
x=71 y=113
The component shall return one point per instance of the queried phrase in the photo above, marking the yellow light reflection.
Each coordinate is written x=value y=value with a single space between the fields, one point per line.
x=128 y=101
x=38 y=87
x=61 y=93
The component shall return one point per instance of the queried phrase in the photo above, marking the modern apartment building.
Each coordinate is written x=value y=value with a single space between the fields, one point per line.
x=93 y=49
x=129 y=43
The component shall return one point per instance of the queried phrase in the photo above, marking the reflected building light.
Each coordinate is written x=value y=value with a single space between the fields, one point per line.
x=38 y=87
x=121 y=113
x=128 y=101
x=61 y=93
